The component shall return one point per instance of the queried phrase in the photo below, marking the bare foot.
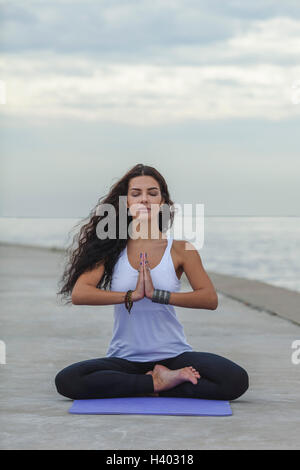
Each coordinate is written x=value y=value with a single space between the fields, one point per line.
x=164 y=378
x=152 y=394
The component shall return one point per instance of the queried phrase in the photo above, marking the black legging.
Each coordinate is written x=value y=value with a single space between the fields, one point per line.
x=112 y=377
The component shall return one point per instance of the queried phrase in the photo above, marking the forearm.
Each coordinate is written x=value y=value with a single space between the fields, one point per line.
x=200 y=298
x=90 y=295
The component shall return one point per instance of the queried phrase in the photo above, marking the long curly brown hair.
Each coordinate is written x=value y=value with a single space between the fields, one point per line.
x=87 y=251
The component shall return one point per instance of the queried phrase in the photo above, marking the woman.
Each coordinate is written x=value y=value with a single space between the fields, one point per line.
x=148 y=353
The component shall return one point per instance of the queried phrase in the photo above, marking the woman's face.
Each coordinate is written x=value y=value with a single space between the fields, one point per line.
x=144 y=197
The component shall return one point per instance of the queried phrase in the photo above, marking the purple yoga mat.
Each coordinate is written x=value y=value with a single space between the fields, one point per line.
x=152 y=406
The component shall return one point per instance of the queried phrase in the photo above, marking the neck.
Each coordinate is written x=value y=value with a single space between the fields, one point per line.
x=144 y=231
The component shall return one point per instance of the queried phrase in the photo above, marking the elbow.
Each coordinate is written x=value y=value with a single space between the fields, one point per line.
x=74 y=300
x=209 y=299
x=75 y=297
x=214 y=301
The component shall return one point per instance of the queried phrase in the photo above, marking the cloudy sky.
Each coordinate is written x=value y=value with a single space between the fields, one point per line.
x=208 y=92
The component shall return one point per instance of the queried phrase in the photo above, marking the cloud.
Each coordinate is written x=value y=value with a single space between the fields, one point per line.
x=127 y=28
x=243 y=78
x=156 y=32
x=145 y=94
x=145 y=63
x=272 y=41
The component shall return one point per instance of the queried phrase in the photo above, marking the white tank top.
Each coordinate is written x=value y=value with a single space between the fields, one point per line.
x=151 y=331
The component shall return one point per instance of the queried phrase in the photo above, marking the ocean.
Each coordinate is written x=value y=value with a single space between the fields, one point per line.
x=261 y=248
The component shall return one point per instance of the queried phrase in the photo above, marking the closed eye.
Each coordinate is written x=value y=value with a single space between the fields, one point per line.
x=135 y=195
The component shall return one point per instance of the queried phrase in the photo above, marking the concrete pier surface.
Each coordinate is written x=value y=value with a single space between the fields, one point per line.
x=42 y=336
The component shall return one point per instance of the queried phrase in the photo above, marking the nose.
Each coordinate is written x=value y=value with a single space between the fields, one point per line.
x=144 y=200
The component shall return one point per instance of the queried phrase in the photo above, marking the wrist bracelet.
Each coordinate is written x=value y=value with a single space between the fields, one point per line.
x=161 y=296
x=128 y=300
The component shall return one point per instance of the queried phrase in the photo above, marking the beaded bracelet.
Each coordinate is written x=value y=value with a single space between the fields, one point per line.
x=161 y=296
x=128 y=300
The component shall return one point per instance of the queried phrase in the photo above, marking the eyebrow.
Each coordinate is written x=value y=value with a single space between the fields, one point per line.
x=138 y=189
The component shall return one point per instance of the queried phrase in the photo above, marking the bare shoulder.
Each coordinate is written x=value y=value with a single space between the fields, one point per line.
x=181 y=248
x=191 y=263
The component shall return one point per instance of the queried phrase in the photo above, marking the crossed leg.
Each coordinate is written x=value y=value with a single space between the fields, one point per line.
x=106 y=377
x=218 y=377
x=165 y=378
x=191 y=374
